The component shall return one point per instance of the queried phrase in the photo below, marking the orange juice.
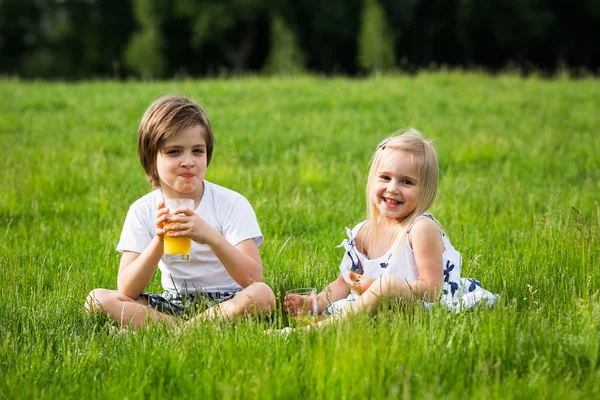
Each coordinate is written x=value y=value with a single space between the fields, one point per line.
x=306 y=308
x=296 y=321
x=177 y=249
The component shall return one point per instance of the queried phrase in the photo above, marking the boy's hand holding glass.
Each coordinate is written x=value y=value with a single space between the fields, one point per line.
x=177 y=248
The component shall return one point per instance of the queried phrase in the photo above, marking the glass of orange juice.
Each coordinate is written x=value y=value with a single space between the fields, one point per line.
x=177 y=248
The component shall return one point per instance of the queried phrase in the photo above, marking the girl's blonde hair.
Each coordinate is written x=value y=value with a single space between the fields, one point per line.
x=163 y=119
x=425 y=161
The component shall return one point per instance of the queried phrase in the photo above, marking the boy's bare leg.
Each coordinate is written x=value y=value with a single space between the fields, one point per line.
x=256 y=299
x=123 y=309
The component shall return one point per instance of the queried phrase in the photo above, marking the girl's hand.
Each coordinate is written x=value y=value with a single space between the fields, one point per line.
x=161 y=216
x=186 y=223
x=359 y=283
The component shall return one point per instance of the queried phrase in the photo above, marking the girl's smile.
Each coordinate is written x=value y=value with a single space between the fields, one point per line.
x=396 y=192
x=391 y=203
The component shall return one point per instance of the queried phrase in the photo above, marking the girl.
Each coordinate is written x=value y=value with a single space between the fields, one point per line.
x=175 y=144
x=400 y=251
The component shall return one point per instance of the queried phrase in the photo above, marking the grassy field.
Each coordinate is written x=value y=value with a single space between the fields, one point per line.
x=519 y=184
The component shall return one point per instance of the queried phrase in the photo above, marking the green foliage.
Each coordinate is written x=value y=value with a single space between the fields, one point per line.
x=76 y=39
x=230 y=25
x=144 y=54
x=375 y=39
x=150 y=13
x=518 y=197
x=285 y=57
x=68 y=39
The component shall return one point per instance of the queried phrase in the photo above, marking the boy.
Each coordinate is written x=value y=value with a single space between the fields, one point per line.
x=175 y=144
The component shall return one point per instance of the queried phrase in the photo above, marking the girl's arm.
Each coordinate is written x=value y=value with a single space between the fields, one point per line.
x=335 y=291
x=427 y=247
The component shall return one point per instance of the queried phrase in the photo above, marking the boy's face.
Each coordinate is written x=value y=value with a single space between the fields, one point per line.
x=181 y=163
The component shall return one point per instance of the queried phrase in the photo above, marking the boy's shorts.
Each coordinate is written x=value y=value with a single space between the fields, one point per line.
x=185 y=305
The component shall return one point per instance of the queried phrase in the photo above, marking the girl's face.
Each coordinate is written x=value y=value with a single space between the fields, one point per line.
x=395 y=192
x=181 y=163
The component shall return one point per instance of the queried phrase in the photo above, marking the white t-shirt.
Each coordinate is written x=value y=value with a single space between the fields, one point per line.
x=227 y=211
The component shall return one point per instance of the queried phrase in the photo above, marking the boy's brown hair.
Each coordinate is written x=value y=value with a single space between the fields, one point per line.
x=163 y=119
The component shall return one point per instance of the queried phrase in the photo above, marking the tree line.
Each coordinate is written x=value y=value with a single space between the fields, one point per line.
x=153 y=39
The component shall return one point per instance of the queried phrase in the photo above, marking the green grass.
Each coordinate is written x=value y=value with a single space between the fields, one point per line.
x=520 y=177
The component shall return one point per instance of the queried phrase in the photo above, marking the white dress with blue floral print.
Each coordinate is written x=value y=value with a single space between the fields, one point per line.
x=399 y=261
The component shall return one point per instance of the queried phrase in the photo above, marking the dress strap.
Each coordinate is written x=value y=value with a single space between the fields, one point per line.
x=425 y=214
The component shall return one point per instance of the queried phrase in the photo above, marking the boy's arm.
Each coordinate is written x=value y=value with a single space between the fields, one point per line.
x=136 y=270
x=241 y=261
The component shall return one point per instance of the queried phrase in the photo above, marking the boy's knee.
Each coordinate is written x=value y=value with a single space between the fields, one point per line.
x=259 y=294
x=265 y=293
x=96 y=300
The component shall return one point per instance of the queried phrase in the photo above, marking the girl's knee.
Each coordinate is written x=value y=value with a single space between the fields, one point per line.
x=388 y=285
x=391 y=281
